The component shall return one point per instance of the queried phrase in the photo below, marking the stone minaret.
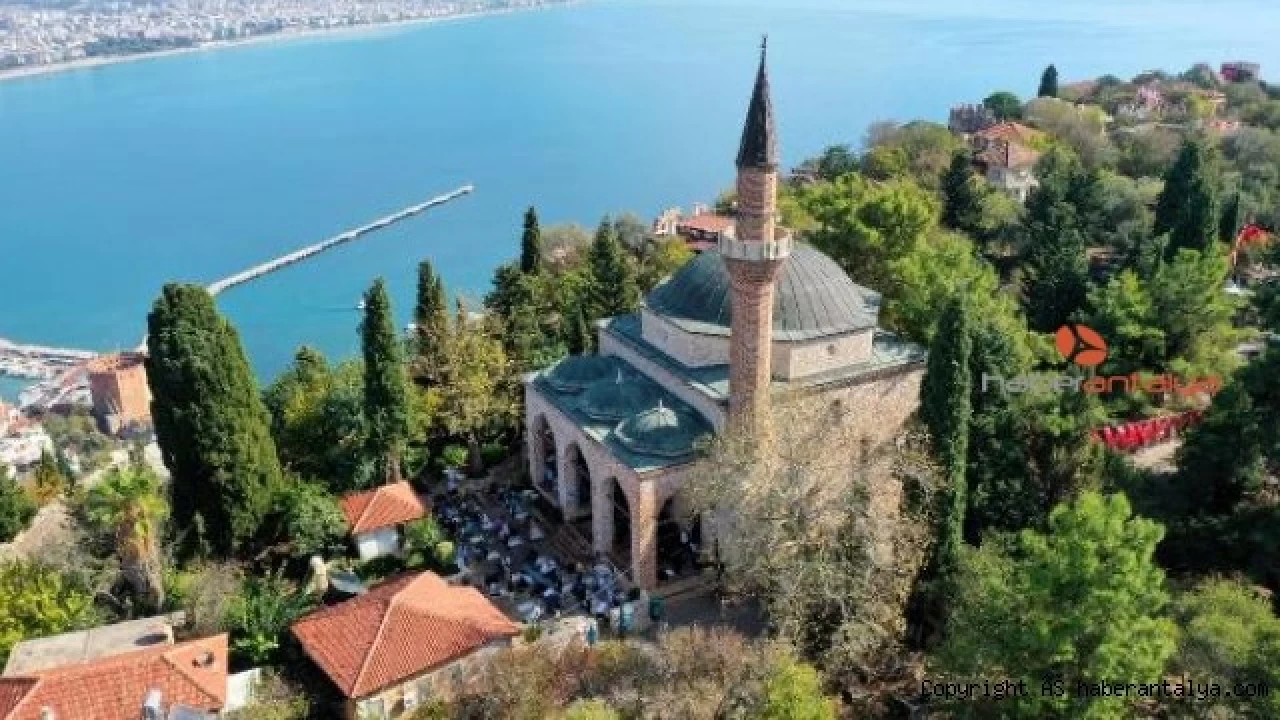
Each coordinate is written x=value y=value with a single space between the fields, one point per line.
x=754 y=258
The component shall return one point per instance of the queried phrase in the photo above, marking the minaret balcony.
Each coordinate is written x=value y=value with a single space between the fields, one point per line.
x=777 y=249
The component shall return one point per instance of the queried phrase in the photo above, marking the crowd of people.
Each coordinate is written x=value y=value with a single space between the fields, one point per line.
x=502 y=548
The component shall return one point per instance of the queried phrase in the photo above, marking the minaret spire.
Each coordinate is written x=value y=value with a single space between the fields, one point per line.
x=754 y=256
x=759 y=146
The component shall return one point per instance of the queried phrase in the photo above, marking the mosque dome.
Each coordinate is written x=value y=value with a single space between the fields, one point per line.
x=617 y=397
x=813 y=298
x=575 y=373
x=660 y=431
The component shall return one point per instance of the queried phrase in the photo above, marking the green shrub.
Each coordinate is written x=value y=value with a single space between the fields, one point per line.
x=493 y=453
x=591 y=710
x=454 y=456
x=260 y=615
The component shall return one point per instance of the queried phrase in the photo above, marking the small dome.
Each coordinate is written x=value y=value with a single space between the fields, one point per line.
x=813 y=298
x=574 y=374
x=660 y=431
x=618 y=397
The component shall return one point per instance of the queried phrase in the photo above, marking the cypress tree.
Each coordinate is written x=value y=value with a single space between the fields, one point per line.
x=962 y=206
x=580 y=340
x=1232 y=220
x=531 y=244
x=210 y=421
x=386 y=390
x=1188 y=206
x=1049 y=82
x=613 y=289
x=946 y=410
x=431 y=318
x=1056 y=282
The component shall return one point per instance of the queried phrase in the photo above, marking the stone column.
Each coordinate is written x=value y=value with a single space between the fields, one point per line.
x=564 y=479
x=601 y=515
x=644 y=536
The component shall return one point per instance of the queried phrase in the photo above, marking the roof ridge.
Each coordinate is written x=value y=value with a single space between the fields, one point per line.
x=377 y=638
x=185 y=673
x=33 y=682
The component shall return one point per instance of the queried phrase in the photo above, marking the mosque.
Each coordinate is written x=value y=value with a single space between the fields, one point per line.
x=760 y=318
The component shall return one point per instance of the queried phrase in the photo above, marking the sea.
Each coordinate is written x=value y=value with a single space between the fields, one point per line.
x=115 y=180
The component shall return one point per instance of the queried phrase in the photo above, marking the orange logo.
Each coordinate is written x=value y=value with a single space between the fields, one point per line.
x=1081 y=345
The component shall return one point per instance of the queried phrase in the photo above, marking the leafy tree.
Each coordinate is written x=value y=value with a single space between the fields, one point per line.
x=793 y=691
x=835 y=161
x=1230 y=636
x=661 y=259
x=943 y=267
x=386 y=388
x=635 y=234
x=1188 y=207
x=1082 y=128
x=866 y=226
x=1080 y=603
x=129 y=506
x=531 y=244
x=47 y=481
x=40 y=601
x=478 y=395
x=260 y=615
x=313 y=524
x=1005 y=105
x=961 y=196
x=16 y=508
x=613 y=289
x=210 y=421
x=919 y=151
x=431 y=320
x=1048 y=83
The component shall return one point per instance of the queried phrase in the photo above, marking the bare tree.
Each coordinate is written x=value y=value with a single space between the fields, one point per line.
x=827 y=531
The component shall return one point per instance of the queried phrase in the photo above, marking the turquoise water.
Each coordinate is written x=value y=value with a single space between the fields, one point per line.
x=114 y=180
x=10 y=387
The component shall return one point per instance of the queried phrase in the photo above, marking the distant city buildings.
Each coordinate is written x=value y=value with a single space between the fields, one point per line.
x=22 y=441
x=40 y=34
x=701 y=231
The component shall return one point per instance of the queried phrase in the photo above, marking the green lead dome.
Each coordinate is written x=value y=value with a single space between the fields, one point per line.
x=813 y=298
x=618 y=397
x=574 y=374
x=660 y=432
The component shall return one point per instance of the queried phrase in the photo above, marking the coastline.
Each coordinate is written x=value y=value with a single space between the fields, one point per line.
x=283 y=36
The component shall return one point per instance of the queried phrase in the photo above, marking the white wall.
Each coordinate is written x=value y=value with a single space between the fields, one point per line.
x=378 y=543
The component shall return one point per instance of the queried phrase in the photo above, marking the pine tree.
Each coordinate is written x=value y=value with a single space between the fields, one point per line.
x=531 y=244
x=962 y=206
x=211 y=423
x=1057 y=272
x=1049 y=82
x=386 y=389
x=613 y=289
x=431 y=319
x=1188 y=206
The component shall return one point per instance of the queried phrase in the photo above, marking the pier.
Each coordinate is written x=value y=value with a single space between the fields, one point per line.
x=310 y=251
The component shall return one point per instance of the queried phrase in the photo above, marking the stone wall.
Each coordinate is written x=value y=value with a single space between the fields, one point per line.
x=443 y=682
x=793 y=360
x=689 y=349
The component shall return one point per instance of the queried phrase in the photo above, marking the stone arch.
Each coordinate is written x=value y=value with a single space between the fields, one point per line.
x=546 y=457
x=575 y=482
x=679 y=538
x=622 y=520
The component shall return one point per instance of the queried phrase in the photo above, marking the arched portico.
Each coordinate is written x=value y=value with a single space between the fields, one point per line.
x=545 y=459
x=574 y=488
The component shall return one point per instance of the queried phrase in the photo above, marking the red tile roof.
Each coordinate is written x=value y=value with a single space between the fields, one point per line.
x=398 y=630
x=387 y=506
x=1010 y=131
x=706 y=222
x=1009 y=155
x=114 y=688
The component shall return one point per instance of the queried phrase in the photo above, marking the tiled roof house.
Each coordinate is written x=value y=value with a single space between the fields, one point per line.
x=192 y=675
x=374 y=517
x=403 y=642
